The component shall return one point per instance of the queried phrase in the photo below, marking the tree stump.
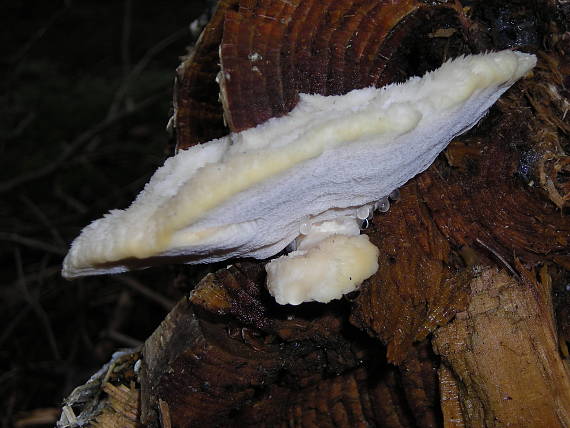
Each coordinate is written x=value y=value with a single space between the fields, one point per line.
x=466 y=322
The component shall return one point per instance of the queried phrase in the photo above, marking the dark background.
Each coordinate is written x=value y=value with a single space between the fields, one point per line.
x=86 y=95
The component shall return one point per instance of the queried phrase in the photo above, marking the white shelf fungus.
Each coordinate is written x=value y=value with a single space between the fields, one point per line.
x=250 y=194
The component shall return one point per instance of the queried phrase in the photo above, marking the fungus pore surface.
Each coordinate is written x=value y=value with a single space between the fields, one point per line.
x=249 y=194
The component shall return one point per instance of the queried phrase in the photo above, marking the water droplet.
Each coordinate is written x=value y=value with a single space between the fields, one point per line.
x=305 y=227
x=254 y=56
x=363 y=212
x=383 y=205
x=395 y=195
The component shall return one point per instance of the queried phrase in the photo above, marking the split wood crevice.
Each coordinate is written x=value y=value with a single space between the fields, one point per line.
x=467 y=320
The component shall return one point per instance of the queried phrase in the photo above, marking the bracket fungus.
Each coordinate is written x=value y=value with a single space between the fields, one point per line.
x=304 y=176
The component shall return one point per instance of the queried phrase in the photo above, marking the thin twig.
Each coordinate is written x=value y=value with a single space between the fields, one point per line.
x=126 y=36
x=37 y=36
x=82 y=139
x=142 y=289
x=121 y=311
x=9 y=329
x=498 y=257
x=32 y=243
x=43 y=219
x=35 y=417
x=77 y=205
x=37 y=307
x=20 y=127
x=40 y=275
x=123 y=339
x=139 y=68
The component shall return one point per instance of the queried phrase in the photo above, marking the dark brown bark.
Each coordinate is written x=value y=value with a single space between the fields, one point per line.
x=197 y=114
